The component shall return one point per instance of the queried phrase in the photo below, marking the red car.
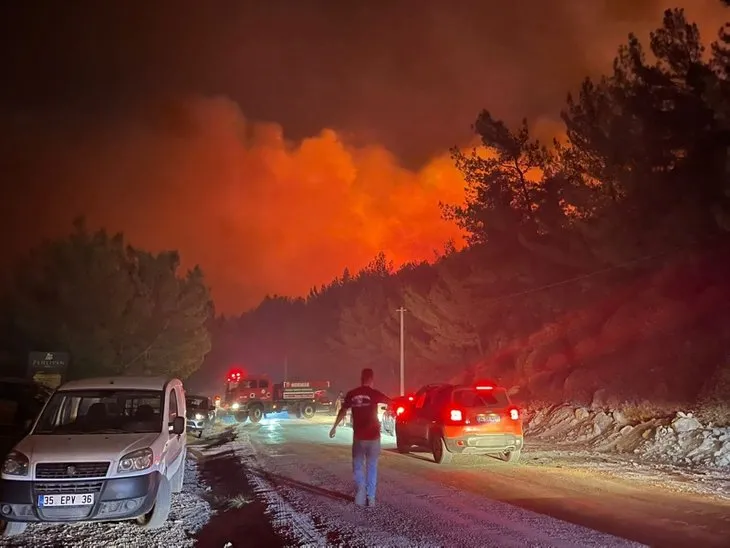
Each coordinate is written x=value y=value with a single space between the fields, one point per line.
x=449 y=419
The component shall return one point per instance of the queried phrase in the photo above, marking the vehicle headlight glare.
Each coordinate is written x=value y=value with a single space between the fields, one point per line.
x=16 y=464
x=136 y=461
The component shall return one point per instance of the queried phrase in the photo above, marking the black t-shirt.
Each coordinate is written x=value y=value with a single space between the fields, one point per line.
x=363 y=402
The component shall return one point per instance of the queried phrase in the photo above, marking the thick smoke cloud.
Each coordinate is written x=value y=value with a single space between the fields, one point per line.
x=260 y=214
x=158 y=133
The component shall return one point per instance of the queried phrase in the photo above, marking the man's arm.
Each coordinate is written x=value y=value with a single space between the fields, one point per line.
x=340 y=416
x=382 y=398
x=346 y=404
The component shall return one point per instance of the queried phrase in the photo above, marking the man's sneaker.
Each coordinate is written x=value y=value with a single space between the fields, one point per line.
x=360 y=498
x=371 y=501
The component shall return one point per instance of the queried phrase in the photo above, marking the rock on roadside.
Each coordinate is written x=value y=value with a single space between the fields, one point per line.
x=682 y=439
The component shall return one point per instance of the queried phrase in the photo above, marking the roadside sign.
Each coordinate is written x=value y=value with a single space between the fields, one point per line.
x=48 y=368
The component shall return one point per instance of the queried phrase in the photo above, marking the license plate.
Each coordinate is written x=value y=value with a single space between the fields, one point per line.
x=86 y=499
x=487 y=419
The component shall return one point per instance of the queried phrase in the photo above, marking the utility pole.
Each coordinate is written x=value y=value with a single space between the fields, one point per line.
x=401 y=310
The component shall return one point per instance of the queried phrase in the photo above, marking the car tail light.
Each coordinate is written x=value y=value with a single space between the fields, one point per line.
x=456 y=415
x=514 y=414
x=400 y=410
x=410 y=398
x=485 y=387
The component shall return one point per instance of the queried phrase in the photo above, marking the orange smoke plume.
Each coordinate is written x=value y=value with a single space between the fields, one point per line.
x=261 y=215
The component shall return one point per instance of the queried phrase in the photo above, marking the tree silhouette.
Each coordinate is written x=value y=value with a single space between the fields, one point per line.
x=116 y=309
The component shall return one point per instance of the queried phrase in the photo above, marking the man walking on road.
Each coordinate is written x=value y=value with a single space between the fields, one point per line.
x=363 y=403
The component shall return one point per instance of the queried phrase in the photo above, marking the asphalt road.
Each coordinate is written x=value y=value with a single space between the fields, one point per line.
x=477 y=501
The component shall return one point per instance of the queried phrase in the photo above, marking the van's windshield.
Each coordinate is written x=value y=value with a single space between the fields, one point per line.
x=102 y=412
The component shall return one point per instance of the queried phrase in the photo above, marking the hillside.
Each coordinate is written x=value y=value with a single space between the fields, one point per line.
x=597 y=266
x=662 y=336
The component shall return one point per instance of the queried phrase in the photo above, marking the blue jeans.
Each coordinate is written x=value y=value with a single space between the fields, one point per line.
x=365 y=455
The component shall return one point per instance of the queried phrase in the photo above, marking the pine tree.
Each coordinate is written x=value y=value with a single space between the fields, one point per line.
x=450 y=316
x=117 y=310
x=366 y=335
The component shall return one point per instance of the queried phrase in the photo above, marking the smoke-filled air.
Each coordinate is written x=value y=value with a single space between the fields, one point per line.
x=273 y=174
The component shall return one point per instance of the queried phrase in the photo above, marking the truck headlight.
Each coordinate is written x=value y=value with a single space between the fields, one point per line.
x=16 y=464
x=235 y=406
x=135 y=461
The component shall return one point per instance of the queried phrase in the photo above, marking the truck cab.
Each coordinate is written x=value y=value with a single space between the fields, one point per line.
x=247 y=396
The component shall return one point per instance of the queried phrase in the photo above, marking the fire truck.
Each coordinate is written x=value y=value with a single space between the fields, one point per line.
x=253 y=396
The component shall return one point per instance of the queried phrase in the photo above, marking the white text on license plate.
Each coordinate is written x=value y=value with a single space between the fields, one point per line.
x=65 y=500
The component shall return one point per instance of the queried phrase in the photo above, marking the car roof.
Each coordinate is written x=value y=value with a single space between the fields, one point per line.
x=121 y=383
x=434 y=385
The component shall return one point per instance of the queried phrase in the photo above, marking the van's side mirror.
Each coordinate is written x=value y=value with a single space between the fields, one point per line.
x=178 y=425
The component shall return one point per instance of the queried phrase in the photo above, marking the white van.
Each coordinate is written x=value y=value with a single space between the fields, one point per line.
x=105 y=449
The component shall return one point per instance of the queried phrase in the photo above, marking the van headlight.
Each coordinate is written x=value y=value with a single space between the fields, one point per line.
x=16 y=464
x=198 y=416
x=135 y=461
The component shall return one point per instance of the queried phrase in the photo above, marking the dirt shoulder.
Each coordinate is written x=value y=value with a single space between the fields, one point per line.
x=238 y=514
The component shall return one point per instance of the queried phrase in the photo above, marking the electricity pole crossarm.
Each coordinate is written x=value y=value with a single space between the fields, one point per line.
x=401 y=310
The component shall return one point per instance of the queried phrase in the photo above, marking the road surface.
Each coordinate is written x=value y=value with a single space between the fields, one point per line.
x=477 y=501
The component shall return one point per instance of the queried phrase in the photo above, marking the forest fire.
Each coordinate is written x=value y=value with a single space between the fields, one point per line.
x=268 y=208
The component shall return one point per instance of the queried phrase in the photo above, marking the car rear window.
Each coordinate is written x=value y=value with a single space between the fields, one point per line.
x=482 y=398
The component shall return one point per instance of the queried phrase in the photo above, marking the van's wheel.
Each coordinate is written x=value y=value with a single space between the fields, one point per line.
x=441 y=455
x=298 y=412
x=241 y=416
x=308 y=410
x=156 y=518
x=256 y=413
x=179 y=478
x=12 y=528
x=511 y=456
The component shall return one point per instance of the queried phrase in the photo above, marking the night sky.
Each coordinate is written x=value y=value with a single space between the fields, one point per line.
x=277 y=142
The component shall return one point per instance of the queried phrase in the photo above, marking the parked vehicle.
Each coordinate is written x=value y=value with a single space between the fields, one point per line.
x=200 y=413
x=252 y=396
x=21 y=401
x=325 y=401
x=449 y=419
x=107 y=449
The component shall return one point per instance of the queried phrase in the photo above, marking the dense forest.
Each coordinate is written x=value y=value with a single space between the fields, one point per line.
x=597 y=264
x=116 y=309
